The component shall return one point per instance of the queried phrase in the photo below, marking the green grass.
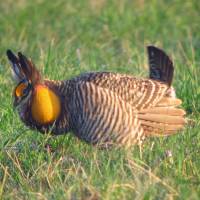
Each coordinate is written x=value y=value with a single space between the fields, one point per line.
x=66 y=38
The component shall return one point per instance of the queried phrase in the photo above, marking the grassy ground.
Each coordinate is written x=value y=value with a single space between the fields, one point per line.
x=66 y=38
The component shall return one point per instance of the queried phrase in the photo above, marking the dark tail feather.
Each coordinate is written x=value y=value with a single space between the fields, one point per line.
x=161 y=67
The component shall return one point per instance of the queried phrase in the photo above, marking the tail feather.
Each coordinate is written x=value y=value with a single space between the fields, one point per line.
x=164 y=111
x=162 y=126
x=160 y=65
x=162 y=118
x=160 y=121
x=149 y=131
x=167 y=101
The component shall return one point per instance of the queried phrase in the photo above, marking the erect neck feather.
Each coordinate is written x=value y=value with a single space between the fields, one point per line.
x=46 y=105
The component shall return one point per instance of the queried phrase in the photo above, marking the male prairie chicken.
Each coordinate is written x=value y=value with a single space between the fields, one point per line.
x=100 y=107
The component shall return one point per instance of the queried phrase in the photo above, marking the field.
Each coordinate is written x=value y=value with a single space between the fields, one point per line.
x=66 y=38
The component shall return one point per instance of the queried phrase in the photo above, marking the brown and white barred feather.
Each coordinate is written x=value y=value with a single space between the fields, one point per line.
x=101 y=116
x=119 y=109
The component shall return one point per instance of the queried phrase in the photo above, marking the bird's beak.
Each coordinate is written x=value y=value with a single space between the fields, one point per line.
x=16 y=103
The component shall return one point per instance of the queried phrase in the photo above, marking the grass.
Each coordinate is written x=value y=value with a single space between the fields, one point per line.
x=66 y=38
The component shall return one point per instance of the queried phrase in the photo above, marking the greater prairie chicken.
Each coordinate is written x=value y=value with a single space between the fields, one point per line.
x=100 y=107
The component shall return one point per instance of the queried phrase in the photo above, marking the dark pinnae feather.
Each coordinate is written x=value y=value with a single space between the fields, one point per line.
x=11 y=56
x=161 y=66
x=24 y=64
x=15 y=64
x=29 y=69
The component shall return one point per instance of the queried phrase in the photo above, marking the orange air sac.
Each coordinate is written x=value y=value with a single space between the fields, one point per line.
x=46 y=106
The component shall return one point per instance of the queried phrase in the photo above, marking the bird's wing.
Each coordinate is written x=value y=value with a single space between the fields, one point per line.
x=140 y=93
x=100 y=116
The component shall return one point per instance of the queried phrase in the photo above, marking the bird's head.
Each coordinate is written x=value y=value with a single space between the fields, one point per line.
x=26 y=75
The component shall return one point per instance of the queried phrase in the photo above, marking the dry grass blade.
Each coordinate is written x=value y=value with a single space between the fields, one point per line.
x=2 y=185
x=151 y=175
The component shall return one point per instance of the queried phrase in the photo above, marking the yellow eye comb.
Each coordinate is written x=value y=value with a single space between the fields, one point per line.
x=19 y=89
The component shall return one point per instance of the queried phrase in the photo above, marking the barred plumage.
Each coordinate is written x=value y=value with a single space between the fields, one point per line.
x=103 y=107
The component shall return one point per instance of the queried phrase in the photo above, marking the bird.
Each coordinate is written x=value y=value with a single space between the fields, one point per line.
x=100 y=108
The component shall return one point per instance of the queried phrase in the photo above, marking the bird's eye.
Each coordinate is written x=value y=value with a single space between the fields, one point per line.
x=19 y=89
x=22 y=89
x=25 y=91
